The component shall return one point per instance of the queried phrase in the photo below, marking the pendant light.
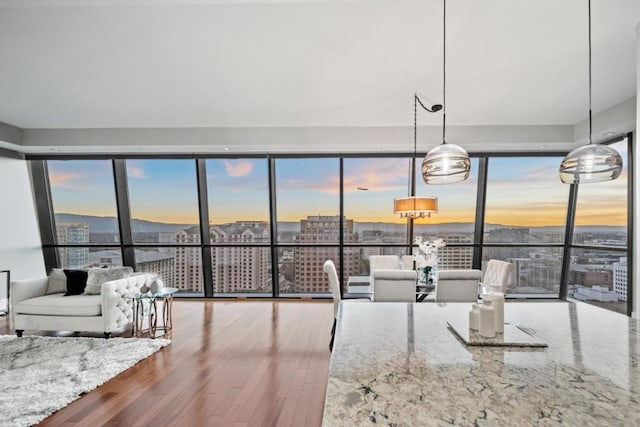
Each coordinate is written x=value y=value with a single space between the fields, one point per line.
x=414 y=206
x=591 y=162
x=446 y=163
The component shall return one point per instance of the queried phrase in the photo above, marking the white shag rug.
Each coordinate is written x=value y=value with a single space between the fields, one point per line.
x=39 y=375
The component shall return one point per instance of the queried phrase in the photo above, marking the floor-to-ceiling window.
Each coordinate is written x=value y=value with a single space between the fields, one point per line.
x=598 y=272
x=455 y=220
x=525 y=221
x=164 y=221
x=84 y=207
x=274 y=220
x=239 y=226
x=308 y=223
x=369 y=186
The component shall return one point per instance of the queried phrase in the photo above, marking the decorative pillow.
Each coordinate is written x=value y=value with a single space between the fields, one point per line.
x=97 y=276
x=57 y=282
x=76 y=281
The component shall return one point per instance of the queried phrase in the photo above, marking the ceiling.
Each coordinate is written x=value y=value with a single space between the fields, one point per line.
x=303 y=63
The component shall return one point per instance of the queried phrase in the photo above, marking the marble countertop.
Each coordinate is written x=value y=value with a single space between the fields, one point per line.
x=398 y=364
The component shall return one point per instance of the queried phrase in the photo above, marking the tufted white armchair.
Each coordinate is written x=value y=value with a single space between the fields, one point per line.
x=497 y=275
x=33 y=309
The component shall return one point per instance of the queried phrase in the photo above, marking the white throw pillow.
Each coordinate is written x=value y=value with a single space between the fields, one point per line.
x=97 y=276
x=57 y=282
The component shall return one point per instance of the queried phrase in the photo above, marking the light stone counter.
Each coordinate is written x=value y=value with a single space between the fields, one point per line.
x=398 y=364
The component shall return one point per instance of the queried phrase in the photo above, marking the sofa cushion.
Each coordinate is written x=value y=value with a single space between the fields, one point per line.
x=76 y=281
x=97 y=276
x=57 y=282
x=59 y=305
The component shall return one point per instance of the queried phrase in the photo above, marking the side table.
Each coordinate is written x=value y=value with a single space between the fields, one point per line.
x=5 y=310
x=145 y=313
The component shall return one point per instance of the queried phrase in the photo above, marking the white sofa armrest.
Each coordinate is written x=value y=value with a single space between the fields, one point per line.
x=30 y=288
x=21 y=290
x=116 y=309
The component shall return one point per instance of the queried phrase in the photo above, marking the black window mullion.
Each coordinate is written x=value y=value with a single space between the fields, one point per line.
x=205 y=236
x=481 y=201
x=44 y=209
x=273 y=216
x=124 y=212
x=341 y=227
x=630 y=224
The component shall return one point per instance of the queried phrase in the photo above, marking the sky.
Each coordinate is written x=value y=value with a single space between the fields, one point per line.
x=520 y=191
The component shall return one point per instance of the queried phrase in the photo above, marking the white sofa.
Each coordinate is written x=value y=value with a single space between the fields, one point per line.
x=390 y=281
x=33 y=309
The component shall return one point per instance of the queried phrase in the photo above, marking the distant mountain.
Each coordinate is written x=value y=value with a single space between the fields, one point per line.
x=109 y=224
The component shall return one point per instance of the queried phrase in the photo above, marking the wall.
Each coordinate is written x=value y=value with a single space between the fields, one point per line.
x=20 y=246
x=635 y=265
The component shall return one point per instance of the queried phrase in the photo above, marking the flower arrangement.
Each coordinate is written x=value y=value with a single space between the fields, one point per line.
x=428 y=252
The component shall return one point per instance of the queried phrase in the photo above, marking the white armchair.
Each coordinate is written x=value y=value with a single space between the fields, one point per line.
x=390 y=282
x=497 y=274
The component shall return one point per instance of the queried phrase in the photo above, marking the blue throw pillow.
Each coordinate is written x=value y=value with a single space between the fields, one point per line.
x=76 y=281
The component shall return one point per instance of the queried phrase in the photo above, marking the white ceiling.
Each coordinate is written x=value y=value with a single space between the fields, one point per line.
x=158 y=64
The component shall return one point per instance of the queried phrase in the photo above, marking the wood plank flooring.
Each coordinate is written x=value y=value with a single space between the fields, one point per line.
x=230 y=363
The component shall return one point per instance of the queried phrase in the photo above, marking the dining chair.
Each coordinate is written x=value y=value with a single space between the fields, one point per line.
x=497 y=274
x=390 y=281
x=458 y=285
x=334 y=284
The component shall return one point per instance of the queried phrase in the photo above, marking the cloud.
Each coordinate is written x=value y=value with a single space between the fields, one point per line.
x=238 y=167
x=64 y=179
x=135 y=172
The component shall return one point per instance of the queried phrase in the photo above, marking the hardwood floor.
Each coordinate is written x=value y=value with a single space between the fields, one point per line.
x=230 y=363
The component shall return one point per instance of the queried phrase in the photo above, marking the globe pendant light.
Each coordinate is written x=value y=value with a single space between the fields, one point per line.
x=591 y=162
x=446 y=163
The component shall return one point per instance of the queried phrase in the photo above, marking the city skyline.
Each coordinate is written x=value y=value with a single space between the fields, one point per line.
x=521 y=191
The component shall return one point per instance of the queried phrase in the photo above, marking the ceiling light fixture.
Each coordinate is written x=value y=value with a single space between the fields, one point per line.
x=414 y=206
x=446 y=163
x=591 y=162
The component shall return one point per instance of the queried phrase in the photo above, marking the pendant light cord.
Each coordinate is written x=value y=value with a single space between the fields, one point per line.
x=444 y=70
x=590 y=119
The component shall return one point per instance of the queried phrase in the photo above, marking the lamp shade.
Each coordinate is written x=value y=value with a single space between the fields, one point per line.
x=415 y=207
x=590 y=163
x=446 y=164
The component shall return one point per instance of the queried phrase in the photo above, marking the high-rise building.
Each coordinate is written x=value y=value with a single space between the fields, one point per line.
x=309 y=276
x=241 y=268
x=73 y=232
x=235 y=268
x=620 y=278
x=452 y=257
x=538 y=273
x=188 y=261
x=160 y=263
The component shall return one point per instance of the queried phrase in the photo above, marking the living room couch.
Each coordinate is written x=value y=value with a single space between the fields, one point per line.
x=33 y=309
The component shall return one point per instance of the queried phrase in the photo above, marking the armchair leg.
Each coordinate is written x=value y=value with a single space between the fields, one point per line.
x=107 y=335
x=19 y=332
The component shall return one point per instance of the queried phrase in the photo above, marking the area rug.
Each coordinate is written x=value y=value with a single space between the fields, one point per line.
x=39 y=375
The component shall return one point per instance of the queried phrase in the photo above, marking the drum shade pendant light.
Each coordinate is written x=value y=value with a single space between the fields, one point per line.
x=414 y=206
x=591 y=162
x=446 y=163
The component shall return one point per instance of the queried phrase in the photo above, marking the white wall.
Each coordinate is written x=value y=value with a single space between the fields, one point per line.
x=635 y=241
x=20 y=245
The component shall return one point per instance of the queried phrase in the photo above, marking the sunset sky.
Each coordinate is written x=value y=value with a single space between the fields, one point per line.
x=520 y=191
